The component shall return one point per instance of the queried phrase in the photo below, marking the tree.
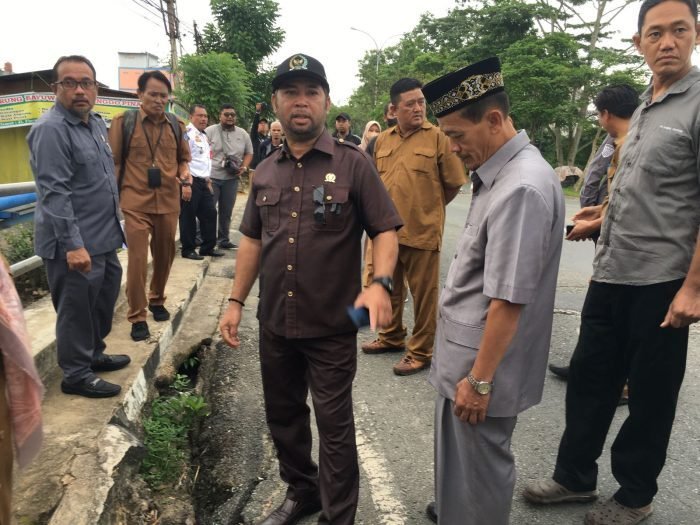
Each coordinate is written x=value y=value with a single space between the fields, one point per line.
x=213 y=79
x=556 y=55
x=245 y=28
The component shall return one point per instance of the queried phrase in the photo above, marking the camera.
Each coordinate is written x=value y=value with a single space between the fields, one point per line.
x=232 y=164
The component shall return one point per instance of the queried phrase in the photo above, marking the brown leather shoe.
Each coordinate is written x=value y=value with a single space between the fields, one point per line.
x=377 y=347
x=409 y=366
x=292 y=511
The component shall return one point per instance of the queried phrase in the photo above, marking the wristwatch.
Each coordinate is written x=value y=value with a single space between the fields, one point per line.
x=386 y=282
x=481 y=387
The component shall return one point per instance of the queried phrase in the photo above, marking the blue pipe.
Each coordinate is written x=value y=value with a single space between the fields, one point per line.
x=12 y=201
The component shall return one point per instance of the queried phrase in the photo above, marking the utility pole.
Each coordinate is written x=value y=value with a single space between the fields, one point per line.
x=173 y=32
x=197 y=38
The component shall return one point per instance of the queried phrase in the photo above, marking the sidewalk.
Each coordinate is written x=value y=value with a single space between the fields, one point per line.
x=91 y=445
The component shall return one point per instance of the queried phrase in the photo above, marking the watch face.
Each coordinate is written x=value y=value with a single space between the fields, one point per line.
x=483 y=388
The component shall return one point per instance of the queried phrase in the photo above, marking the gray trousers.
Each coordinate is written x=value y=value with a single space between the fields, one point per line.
x=84 y=304
x=225 y=192
x=474 y=468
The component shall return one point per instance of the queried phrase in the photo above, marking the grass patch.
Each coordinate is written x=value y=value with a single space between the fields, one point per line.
x=167 y=432
x=571 y=191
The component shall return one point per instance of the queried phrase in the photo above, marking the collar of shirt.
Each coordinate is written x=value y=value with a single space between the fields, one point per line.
x=324 y=143
x=144 y=116
x=490 y=169
x=680 y=86
x=395 y=130
x=191 y=129
x=71 y=118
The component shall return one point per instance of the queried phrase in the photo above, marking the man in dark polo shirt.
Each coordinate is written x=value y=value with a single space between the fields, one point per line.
x=304 y=220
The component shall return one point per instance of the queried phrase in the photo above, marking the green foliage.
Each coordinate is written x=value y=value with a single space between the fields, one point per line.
x=244 y=28
x=18 y=243
x=555 y=55
x=213 y=79
x=167 y=430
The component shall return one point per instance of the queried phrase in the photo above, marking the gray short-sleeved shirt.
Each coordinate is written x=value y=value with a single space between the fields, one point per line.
x=651 y=226
x=595 y=186
x=509 y=250
x=233 y=142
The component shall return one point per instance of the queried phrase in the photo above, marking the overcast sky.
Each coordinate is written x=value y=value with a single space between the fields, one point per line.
x=43 y=30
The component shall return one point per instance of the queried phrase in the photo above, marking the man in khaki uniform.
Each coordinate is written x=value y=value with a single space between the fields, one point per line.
x=421 y=175
x=154 y=170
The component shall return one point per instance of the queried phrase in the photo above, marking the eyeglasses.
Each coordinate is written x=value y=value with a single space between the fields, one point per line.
x=69 y=83
x=229 y=114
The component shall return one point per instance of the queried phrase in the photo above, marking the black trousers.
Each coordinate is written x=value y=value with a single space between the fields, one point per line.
x=326 y=367
x=621 y=340
x=84 y=304
x=200 y=206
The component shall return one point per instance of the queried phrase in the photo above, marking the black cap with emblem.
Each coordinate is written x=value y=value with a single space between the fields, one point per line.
x=466 y=86
x=300 y=65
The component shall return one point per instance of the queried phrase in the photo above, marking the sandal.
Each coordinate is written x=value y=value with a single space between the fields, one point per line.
x=614 y=513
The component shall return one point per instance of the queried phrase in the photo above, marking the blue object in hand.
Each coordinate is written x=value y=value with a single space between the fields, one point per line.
x=359 y=316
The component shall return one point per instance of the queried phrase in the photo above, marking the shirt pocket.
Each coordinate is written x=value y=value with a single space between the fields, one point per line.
x=268 y=202
x=668 y=154
x=383 y=160
x=139 y=151
x=423 y=160
x=335 y=209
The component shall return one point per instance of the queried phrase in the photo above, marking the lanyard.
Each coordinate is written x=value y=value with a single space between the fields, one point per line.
x=153 y=150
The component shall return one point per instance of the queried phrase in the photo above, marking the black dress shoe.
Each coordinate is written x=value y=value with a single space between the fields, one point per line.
x=139 y=331
x=431 y=512
x=292 y=511
x=192 y=255
x=560 y=371
x=227 y=245
x=159 y=312
x=91 y=387
x=108 y=363
x=212 y=253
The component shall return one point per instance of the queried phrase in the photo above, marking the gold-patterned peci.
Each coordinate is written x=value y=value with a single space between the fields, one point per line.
x=470 y=88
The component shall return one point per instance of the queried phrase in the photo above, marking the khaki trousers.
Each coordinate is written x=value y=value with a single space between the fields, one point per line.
x=144 y=230
x=421 y=270
x=5 y=454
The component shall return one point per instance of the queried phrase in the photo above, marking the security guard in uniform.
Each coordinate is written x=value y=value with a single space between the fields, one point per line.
x=302 y=231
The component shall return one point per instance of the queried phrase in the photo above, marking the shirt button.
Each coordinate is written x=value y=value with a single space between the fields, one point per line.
x=299 y=164
x=291 y=240
x=297 y=188
x=290 y=293
x=290 y=267
x=294 y=214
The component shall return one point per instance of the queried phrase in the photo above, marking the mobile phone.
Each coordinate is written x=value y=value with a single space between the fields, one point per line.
x=359 y=316
x=569 y=227
x=154 y=177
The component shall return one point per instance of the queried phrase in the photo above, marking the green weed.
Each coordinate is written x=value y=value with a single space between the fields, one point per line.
x=167 y=431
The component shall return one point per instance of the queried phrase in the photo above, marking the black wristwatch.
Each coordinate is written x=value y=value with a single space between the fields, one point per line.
x=386 y=282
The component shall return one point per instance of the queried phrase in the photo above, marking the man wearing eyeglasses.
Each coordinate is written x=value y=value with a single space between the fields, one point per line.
x=232 y=153
x=76 y=227
x=154 y=176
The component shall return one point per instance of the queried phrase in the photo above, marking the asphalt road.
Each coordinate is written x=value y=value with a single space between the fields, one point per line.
x=394 y=417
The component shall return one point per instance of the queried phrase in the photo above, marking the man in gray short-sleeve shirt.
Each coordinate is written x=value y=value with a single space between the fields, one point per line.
x=227 y=139
x=487 y=369
x=645 y=289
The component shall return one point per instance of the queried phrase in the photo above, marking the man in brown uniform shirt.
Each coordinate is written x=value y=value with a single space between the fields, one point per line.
x=422 y=175
x=154 y=171
x=303 y=224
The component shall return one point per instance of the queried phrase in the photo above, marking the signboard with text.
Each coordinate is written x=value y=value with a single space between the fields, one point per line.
x=23 y=109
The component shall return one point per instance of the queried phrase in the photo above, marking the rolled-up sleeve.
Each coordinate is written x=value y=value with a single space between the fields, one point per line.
x=52 y=165
x=518 y=242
